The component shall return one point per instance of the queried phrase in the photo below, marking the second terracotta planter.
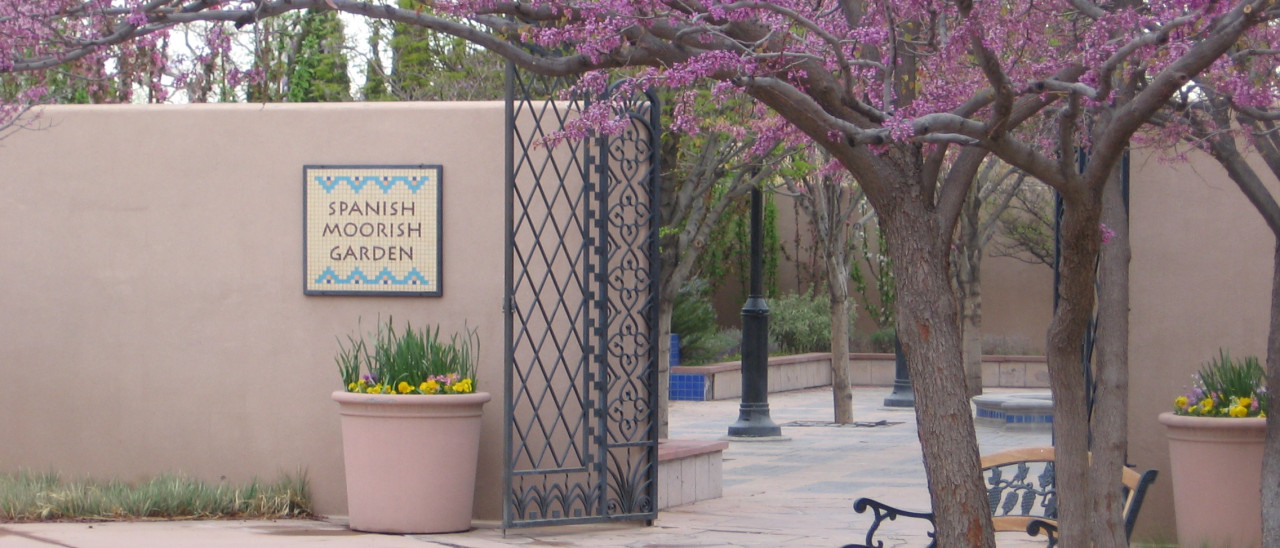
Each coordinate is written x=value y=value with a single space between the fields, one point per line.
x=1217 y=476
x=410 y=460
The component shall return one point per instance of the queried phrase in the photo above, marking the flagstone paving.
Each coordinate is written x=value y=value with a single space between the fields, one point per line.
x=793 y=493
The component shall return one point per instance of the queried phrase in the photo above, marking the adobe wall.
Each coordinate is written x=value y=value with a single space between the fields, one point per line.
x=154 y=317
x=1200 y=281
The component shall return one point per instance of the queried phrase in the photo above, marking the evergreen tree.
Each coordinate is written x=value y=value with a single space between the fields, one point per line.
x=430 y=66
x=318 y=71
x=375 y=80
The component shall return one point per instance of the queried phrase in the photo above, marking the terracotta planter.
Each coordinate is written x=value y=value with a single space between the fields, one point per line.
x=1217 y=471
x=410 y=460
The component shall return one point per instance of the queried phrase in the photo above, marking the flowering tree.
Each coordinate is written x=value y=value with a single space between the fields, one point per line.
x=908 y=96
x=831 y=203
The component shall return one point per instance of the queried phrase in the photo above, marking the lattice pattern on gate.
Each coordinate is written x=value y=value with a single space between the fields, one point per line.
x=581 y=313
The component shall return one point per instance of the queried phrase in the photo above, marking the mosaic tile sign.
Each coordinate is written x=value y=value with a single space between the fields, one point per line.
x=372 y=230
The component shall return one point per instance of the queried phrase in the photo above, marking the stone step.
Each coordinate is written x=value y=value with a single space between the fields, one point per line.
x=689 y=471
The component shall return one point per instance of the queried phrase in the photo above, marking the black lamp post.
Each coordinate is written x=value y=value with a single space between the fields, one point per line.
x=753 y=413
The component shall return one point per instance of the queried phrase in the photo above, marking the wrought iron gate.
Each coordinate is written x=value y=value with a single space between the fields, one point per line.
x=581 y=312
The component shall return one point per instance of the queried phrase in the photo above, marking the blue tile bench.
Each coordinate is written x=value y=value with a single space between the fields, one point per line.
x=1021 y=493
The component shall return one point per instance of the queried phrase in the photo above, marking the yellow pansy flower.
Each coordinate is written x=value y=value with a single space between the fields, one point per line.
x=1181 y=402
x=404 y=387
x=463 y=386
x=1239 y=411
x=429 y=387
x=1206 y=404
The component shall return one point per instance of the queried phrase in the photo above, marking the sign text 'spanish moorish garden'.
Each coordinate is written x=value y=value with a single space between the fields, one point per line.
x=372 y=230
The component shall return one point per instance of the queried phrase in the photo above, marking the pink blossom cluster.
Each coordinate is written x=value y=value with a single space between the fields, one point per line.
x=877 y=76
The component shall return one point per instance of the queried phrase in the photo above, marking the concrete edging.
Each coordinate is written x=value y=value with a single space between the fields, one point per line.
x=724 y=380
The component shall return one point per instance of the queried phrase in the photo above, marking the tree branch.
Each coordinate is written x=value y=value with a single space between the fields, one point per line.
x=956 y=187
x=1128 y=118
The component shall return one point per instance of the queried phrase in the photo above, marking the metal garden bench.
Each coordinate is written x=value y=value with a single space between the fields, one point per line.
x=1020 y=489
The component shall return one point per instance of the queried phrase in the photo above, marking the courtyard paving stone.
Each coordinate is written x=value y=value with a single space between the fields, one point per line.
x=794 y=493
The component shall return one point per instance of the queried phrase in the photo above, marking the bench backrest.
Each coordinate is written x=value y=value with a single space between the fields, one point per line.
x=1021 y=488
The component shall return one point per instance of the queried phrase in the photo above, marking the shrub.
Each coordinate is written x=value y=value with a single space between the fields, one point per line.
x=694 y=318
x=801 y=322
x=722 y=346
x=882 y=340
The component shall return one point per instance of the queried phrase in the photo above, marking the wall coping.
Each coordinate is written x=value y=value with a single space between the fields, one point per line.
x=721 y=367
x=669 y=450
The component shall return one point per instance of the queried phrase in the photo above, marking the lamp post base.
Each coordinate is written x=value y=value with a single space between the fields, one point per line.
x=902 y=395
x=754 y=422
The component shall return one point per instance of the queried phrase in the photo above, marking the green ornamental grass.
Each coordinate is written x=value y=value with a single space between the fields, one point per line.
x=409 y=361
x=38 y=496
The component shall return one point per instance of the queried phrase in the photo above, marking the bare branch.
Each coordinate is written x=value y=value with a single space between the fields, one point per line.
x=959 y=181
x=1057 y=86
x=949 y=123
x=802 y=102
x=1089 y=8
x=948 y=138
x=1256 y=114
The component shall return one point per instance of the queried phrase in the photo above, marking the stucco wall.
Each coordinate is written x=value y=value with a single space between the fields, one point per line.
x=1200 y=281
x=154 y=317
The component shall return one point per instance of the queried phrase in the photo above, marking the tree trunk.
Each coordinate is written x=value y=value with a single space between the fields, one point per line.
x=1271 y=453
x=972 y=344
x=841 y=393
x=829 y=203
x=1065 y=339
x=665 y=306
x=1109 y=420
x=928 y=328
x=969 y=287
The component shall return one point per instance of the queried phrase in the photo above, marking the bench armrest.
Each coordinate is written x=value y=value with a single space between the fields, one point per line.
x=881 y=512
x=1049 y=529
